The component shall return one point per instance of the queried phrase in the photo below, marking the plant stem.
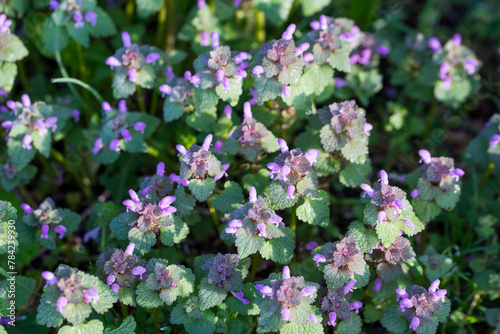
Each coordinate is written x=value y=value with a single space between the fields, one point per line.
x=430 y=118
x=129 y=10
x=293 y=222
x=22 y=74
x=124 y=310
x=256 y=261
x=170 y=38
x=485 y=175
x=154 y=102
x=423 y=241
x=103 y=239
x=473 y=304
x=140 y=99
x=162 y=18
x=64 y=73
x=214 y=215
x=157 y=320
x=82 y=84
x=83 y=71
x=260 y=26
x=26 y=196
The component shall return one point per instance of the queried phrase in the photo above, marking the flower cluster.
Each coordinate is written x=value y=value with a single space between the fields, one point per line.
x=337 y=303
x=121 y=269
x=290 y=167
x=134 y=65
x=457 y=60
x=419 y=306
x=158 y=185
x=10 y=176
x=256 y=218
x=342 y=259
x=252 y=135
x=73 y=294
x=51 y=221
x=388 y=261
x=121 y=130
x=438 y=172
x=167 y=282
x=150 y=214
x=289 y=297
x=199 y=163
x=367 y=48
x=345 y=130
x=280 y=59
x=5 y=24
x=76 y=12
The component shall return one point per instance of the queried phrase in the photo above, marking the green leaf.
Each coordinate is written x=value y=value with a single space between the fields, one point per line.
x=388 y=232
x=267 y=88
x=210 y=294
x=312 y=7
x=148 y=7
x=444 y=311
x=426 y=211
x=201 y=326
x=183 y=202
x=427 y=191
x=8 y=73
x=20 y=157
x=247 y=244
x=107 y=297
x=279 y=197
x=122 y=87
x=233 y=93
x=205 y=100
x=279 y=250
x=393 y=321
x=7 y=213
x=339 y=59
x=147 y=298
x=172 y=110
x=80 y=35
x=143 y=241
x=54 y=38
x=91 y=327
x=356 y=150
x=202 y=189
x=230 y=199
x=448 y=199
x=315 y=211
x=47 y=314
x=458 y=92
x=331 y=141
x=174 y=233
x=120 y=226
x=237 y=306
x=334 y=277
x=366 y=240
x=24 y=288
x=202 y=121
x=311 y=328
x=308 y=186
x=276 y=11
x=319 y=77
x=104 y=26
x=350 y=326
x=355 y=174
x=12 y=48
x=128 y=326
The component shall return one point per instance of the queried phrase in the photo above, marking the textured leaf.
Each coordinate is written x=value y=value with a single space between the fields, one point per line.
x=334 y=277
x=393 y=321
x=310 y=328
x=205 y=100
x=210 y=294
x=230 y=199
x=47 y=314
x=202 y=189
x=426 y=211
x=332 y=142
x=248 y=244
x=148 y=7
x=127 y=327
x=356 y=150
x=107 y=297
x=279 y=250
x=312 y=7
x=54 y=39
x=80 y=35
x=122 y=87
x=20 y=157
x=233 y=93
x=120 y=226
x=388 y=232
x=339 y=59
x=174 y=233
x=448 y=199
x=24 y=286
x=276 y=11
x=104 y=26
x=355 y=174
x=172 y=110
x=183 y=202
x=8 y=73
x=91 y=327
x=315 y=211
x=279 y=196
x=237 y=306
x=201 y=326
x=143 y=241
x=267 y=88
x=147 y=298
x=350 y=326
x=13 y=49
x=366 y=240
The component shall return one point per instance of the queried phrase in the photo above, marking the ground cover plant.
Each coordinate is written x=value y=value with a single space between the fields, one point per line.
x=249 y=166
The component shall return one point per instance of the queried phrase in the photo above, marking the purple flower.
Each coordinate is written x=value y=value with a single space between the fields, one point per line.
x=495 y=140
x=286 y=272
x=115 y=287
x=405 y=303
x=239 y=295
x=355 y=306
x=201 y=4
x=425 y=156
x=92 y=234
x=367 y=127
x=228 y=111
x=27 y=139
x=434 y=44
x=152 y=58
x=312 y=156
x=78 y=17
x=234 y=226
x=285 y=313
x=258 y=70
x=49 y=277
x=131 y=203
x=414 y=193
x=333 y=317
x=283 y=145
x=218 y=145
x=60 y=230
x=27 y=209
x=378 y=285
x=444 y=69
x=308 y=57
x=61 y=302
x=115 y=145
x=126 y=135
x=401 y=294
x=111 y=278
x=45 y=232
x=383 y=50
x=165 y=205
x=207 y=142
x=311 y=245
x=195 y=80
x=26 y=100
x=457 y=39
x=409 y=223
x=301 y=49
x=138 y=271
x=368 y=190
x=308 y=291
x=348 y=287
x=91 y=295
x=414 y=323
x=365 y=56
x=113 y=62
x=381 y=217
x=290 y=191
x=264 y=290
x=165 y=89
x=340 y=83
x=76 y=115
x=288 y=34
x=434 y=286
x=182 y=150
x=7 y=125
x=140 y=126
x=106 y=106
x=11 y=105
x=98 y=145
x=132 y=75
x=354 y=58
x=215 y=39
x=457 y=173
x=205 y=38
x=160 y=169
x=91 y=17
x=53 y=5
x=262 y=229
x=130 y=248
x=470 y=66
x=286 y=91
x=313 y=318
x=319 y=258
x=277 y=220
x=126 y=39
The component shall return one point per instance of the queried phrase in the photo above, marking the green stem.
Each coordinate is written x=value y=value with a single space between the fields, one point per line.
x=154 y=102
x=214 y=214
x=162 y=19
x=423 y=241
x=485 y=175
x=260 y=27
x=124 y=310
x=22 y=75
x=83 y=71
x=293 y=222
x=256 y=261
x=129 y=11
x=82 y=84
x=82 y=249
x=430 y=118
x=157 y=320
x=140 y=99
x=170 y=38
x=59 y=158
x=103 y=239
x=6 y=275
x=64 y=73
x=473 y=304
x=26 y=196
